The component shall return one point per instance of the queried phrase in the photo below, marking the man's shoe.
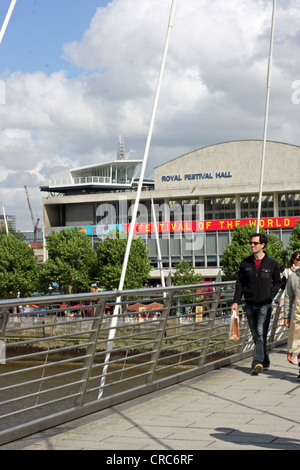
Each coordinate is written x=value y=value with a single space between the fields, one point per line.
x=266 y=365
x=257 y=368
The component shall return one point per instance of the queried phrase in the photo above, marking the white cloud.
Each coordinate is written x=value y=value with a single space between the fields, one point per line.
x=213 y=89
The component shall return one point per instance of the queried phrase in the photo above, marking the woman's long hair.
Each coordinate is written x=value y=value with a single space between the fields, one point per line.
x=293 y=257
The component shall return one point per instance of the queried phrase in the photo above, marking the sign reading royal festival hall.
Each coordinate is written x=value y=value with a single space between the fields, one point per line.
x=196 y=176
x=192 y=226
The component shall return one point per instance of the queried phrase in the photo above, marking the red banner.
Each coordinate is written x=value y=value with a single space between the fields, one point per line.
x=193 y=226
x=214 y=225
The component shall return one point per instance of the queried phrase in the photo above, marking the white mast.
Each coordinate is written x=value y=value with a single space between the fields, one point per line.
x=2 y=32
x=7 y=18
x=266 y=118
x=139 y=189
x=160 y=265
x=5 y=220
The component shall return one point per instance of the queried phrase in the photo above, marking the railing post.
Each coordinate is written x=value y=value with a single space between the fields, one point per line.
x=243 y=332
x=4 y=314
x=91 y=350
x=211 y=322
x=160 y=335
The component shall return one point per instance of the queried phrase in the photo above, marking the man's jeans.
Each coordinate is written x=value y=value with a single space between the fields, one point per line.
x=259 y=320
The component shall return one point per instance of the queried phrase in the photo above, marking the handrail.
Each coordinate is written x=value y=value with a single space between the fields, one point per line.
x=53 y=366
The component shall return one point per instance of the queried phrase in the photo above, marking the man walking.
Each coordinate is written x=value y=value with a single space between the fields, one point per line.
x=259 y=281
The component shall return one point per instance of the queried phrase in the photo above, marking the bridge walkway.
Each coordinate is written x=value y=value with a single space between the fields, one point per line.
x=227 y=409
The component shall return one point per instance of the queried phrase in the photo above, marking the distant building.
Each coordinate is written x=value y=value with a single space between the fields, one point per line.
x=11 y=221
x=198 y=199
x=29 y=236
x=36 y=246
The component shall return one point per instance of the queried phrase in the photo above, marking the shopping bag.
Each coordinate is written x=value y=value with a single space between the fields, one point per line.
x=234 y=326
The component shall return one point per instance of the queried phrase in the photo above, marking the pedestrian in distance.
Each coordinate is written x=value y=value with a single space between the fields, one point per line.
x=292 y=316
x=290 y=295
x=258 y=281
x=293 y=265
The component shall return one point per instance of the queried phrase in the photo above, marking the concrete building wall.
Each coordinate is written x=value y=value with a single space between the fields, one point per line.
x=79 y=214
x=240 y=164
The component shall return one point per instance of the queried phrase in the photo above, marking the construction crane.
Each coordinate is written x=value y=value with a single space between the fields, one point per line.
x=34 y=223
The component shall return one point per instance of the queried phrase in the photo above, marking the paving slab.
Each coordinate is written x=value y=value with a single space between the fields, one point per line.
x=227 y=409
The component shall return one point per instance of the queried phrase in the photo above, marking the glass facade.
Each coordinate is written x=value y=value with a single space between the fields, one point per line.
x=185 y=209
x=289 y=205
x=204 y=250
x=200 y=249
x=10 y=219
x=217 y=208
x=249 y=206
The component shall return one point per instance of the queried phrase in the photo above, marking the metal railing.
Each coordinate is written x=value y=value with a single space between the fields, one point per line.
x=80 y=180
x=58 y=360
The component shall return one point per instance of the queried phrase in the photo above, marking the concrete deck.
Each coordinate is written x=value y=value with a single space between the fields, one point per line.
x=225 y=409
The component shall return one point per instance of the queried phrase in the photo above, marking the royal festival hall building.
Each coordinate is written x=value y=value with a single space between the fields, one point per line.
x=191 y=206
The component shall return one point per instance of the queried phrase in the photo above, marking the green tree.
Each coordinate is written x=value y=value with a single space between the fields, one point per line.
x=239 y=248
x=276 y=250
x=295 y=238
x=18 y=267
x=184 y=275
x=111 y=253
x=71 y=262
x=18 y=235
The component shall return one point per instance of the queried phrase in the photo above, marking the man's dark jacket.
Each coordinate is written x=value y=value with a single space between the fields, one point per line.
x=258 y=288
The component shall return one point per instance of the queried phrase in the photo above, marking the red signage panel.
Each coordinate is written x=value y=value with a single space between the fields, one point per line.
x=215 y=225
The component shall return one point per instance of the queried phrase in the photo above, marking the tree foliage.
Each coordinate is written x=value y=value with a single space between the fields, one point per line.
x=18 y=267
x=184 y=275
x=295 y=238
x=71 y=262
x=276 y=250
x=111 y=253
x=239 y=248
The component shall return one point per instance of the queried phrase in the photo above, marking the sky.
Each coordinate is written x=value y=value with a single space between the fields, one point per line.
x=75 y=74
